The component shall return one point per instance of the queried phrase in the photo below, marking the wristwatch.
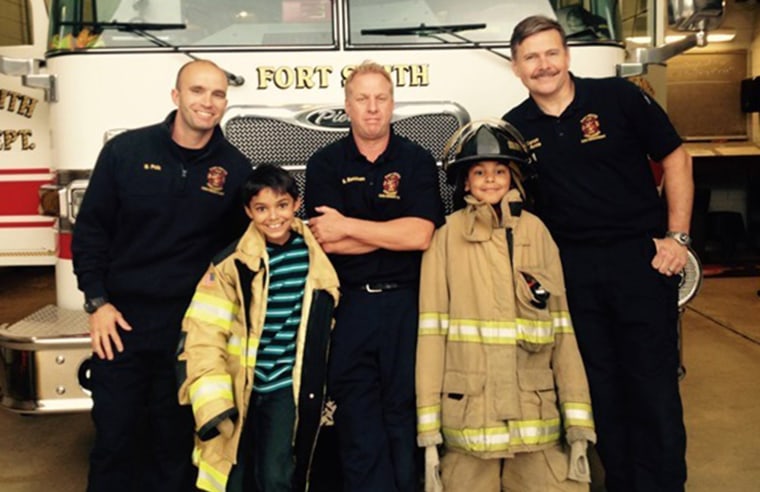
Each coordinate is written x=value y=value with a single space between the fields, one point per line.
x=92 y=305
x=681 y=238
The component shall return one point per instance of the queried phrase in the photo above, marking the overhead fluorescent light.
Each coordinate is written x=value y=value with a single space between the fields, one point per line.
x=719 y=36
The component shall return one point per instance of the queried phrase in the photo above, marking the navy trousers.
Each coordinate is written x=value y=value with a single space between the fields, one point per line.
x=143 y=437
x=625 y=316
x=371 y=378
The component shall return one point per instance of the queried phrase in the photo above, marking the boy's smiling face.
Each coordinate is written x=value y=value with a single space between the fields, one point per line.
x=488 y=181
x=273 y=213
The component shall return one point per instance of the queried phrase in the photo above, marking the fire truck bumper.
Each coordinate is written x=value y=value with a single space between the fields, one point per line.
x=44 y=363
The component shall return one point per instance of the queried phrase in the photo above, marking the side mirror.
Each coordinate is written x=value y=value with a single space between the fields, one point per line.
x=695 y=15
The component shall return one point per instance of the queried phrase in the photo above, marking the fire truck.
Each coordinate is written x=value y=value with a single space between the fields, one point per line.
x=93 y=68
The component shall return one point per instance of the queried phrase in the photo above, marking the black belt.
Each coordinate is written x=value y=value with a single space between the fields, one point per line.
x=377 y=287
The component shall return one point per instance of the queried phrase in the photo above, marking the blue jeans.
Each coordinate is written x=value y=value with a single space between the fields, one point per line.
x=265 y=454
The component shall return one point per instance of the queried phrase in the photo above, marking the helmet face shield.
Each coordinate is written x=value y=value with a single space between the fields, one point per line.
x=488 y=141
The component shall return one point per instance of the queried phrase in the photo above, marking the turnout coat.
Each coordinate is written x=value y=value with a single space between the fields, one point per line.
x=221 y=332
x=496 y=373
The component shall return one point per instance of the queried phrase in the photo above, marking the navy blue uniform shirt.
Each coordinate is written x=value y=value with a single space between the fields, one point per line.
x=402 y=182
x=595 y=181
x=152 y=218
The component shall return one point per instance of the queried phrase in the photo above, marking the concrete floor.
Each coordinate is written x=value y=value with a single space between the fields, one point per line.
x=721 y=351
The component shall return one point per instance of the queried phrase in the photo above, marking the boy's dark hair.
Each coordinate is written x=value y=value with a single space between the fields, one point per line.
x=268 y=176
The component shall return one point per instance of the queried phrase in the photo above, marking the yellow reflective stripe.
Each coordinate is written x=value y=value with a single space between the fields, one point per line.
x=250 y=360
x=209 y=478
x=534 y=431
x=489 y=439
x=578 y=414
x=234 y=345
x=562 y=322
x=535 y=331
x=502 y=438
x=210 y=388
x=428 y=418
x=433 y=324
x=496 y=332
x=478 y=331
x=212 y=310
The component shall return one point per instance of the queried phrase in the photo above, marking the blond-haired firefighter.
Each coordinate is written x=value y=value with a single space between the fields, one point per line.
x=500 y=381
x=255 y=347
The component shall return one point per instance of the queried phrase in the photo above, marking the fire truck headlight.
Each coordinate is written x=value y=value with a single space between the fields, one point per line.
x=76 y=195
x=49 y=200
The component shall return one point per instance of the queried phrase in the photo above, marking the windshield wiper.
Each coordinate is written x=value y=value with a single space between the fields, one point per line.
x=141 y=29
x=436 y=32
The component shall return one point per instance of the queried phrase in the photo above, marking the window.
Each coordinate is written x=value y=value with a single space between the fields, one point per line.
x=198 y=23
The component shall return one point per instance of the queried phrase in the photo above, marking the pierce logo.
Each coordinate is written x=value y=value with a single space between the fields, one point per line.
x=328 y=118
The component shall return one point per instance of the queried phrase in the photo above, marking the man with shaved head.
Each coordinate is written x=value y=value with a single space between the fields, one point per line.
x=162 y=200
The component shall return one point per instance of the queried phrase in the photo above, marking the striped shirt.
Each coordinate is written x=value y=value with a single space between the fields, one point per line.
x=288 y=266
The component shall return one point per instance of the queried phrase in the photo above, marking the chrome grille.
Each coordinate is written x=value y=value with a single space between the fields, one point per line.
x=278 y=135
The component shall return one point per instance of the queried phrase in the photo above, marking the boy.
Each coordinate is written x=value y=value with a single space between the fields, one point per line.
x=262 y=314
x=498 y=370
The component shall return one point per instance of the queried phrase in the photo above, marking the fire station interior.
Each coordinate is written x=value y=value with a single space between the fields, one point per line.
x=713 y=97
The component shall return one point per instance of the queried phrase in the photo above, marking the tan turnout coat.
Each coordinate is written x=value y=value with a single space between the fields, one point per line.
x=495 y=374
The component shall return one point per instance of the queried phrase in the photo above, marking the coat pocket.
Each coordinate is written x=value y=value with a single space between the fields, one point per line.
x=462 y=400
x=538 y=394
x=558 y=459
x=535 y=330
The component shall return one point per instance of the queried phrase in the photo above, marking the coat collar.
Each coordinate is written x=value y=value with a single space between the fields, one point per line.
x=252 y=251
x=481 y=218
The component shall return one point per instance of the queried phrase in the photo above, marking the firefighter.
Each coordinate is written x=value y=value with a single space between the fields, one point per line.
x=500 y=381
x=621 y=249
x=373 y=203
x=162 y=200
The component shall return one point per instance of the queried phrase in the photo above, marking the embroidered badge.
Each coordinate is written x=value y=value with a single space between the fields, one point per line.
x=534 y=143
x=215 y=179
x=591 y=128
x=149 y=166
x=353 y=179
x=390 y=186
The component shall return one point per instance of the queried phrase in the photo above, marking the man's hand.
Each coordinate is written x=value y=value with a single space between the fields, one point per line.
x=328 y=227
x=104 y=333
x=670 y=257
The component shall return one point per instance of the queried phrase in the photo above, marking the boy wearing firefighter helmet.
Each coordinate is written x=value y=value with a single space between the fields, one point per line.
x=500 y=381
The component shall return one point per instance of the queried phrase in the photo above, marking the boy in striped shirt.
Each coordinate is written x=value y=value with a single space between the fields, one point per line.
x=257 y=332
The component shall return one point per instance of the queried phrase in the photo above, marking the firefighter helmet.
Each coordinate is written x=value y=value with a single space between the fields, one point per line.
x=486 y=140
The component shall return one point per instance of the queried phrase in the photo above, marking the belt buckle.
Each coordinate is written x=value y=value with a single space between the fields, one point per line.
x=367 y=287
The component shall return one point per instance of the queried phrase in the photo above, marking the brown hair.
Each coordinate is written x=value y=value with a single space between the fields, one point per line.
x=367 y=67
x=534 y=25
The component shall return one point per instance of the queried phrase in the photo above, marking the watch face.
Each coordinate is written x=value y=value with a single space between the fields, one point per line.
x=681 y=237
x=92 y=305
